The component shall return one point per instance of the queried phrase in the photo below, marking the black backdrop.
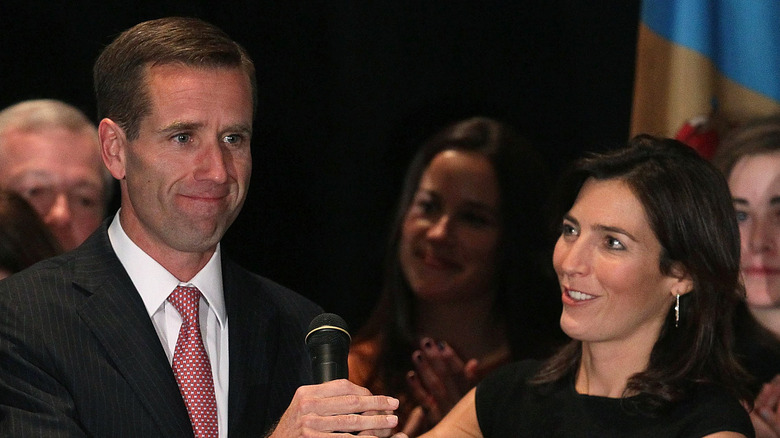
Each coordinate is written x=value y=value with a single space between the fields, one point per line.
x=347 y=88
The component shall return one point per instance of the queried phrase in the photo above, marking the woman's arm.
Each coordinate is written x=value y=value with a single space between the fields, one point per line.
x=460 y=422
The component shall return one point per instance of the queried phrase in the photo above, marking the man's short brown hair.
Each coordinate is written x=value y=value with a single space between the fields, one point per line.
x=120 y=72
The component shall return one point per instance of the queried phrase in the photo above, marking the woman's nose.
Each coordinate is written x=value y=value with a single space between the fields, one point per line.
x=762 y=236
x=440 y=229
x=572 y=257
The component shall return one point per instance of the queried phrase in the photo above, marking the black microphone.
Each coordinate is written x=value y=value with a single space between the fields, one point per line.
x=328 y=343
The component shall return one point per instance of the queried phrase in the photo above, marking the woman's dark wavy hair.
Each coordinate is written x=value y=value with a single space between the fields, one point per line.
x=688 y=205
x=522 y=290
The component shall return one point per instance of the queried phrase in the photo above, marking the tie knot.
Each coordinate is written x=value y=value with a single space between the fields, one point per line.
x=186 y=299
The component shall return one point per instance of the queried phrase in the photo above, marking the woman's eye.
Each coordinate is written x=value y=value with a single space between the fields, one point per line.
x=741 y=216
x=475 y=219
x=425 y=206
x=613 y=243
x=423 y=203
x=568 y=230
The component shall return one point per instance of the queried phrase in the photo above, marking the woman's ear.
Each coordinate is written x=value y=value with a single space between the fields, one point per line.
x=113 y=143
x=682 y=283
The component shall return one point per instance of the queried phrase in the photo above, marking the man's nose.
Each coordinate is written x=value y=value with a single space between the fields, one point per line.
x=60 y=212
x=212 y=164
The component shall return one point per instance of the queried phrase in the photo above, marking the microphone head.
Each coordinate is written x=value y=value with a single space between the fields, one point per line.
x=328 y=344
x=327 y=321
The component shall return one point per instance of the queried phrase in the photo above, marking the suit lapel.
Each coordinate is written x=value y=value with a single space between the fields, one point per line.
x=248 y=320
x=116 y=315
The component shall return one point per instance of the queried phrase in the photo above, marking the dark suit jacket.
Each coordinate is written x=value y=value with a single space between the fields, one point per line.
x=79 y=355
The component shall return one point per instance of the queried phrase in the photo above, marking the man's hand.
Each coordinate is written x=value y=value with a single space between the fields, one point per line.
x=334 y=409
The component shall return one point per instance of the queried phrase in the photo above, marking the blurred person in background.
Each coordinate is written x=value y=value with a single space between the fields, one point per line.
x=49 y=154
x=465 y=287
x=749 y=157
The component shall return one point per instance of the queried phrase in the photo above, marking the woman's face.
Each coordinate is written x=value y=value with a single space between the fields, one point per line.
x=607 y=261
x=755 y=189
x=450 y=232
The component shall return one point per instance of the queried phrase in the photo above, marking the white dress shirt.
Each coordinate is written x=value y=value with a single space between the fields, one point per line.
x=154 y=283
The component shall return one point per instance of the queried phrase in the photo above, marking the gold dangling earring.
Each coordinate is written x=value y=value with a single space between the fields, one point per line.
x=677 y=312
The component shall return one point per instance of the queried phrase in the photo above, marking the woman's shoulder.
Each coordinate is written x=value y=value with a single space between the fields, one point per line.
x=506 y=402
x=507 y=379
x=709 y=409
x=711 y=397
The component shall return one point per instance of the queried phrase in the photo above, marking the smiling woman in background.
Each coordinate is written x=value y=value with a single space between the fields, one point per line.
x=749 y=156
x=648 y=263
x=465 y=289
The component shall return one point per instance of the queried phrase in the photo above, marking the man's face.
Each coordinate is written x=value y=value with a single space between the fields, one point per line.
x=185 y=178
x=59 y=172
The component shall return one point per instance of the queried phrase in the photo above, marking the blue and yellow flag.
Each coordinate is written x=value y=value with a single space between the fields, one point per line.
x=699 y=57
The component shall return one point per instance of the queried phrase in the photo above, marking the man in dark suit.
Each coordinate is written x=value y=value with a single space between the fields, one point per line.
x=147 y=330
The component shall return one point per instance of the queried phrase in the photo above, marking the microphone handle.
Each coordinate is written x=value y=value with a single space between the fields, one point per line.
x=329 y=362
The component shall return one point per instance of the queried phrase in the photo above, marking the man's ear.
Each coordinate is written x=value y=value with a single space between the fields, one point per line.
x=113 y=144
x=682 y=283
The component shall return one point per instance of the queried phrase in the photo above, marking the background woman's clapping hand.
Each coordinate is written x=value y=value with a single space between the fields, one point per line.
x=439 y=380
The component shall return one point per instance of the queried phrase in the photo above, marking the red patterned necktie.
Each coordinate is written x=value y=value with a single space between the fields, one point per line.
x=191 y=365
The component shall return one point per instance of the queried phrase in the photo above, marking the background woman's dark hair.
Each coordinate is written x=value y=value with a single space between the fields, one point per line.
x=24 y=238
x=526 y=287
x=688 y=206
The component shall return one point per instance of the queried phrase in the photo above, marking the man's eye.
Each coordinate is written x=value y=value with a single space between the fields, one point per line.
x=232 y=139
x=182 y=138
x=88 y=202
x=38 y=192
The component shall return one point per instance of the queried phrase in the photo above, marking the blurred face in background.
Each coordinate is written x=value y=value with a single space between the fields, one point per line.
x=755 y=189
x=451 y=230
x=60 y=173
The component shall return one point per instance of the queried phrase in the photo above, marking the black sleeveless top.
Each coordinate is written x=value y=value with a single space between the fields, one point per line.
x=507 y=406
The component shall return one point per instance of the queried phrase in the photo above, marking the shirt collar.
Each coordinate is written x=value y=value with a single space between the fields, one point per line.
x=154 y=283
